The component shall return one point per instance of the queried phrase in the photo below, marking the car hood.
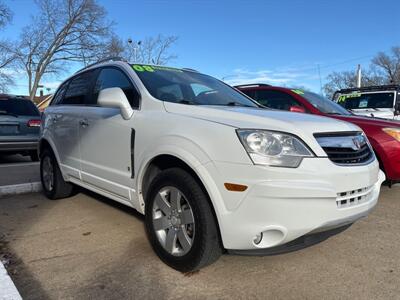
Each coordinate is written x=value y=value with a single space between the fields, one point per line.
x=300 y=124
x=368 y=121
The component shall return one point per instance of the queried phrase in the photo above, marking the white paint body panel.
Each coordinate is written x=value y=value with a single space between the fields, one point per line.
x=295 y=201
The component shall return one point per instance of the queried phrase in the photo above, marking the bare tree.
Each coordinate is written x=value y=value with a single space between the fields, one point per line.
x=64 y=31
x=155 y=50
x=6 y=56
x=5 y=14
x=388 y=65
x=348 y=79
x=152 y=50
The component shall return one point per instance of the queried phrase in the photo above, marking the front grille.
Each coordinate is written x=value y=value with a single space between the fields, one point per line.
x=346 y=148
x=353 y=198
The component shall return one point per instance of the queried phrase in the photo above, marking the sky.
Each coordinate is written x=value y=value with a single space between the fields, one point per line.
x=277 y=42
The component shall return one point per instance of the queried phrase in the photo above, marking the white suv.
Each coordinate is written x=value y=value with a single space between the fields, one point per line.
x=210 y=169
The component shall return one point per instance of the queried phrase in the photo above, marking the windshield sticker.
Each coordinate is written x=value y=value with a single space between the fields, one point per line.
x=363 y=104
x=343 y=98
x=299 y=92
x=145 y=68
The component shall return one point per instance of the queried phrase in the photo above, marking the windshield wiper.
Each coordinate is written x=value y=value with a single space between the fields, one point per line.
x=238 y=104
x=187 y=102
x=2 y=112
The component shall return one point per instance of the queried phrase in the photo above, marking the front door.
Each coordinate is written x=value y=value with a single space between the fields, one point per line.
x=106 y=139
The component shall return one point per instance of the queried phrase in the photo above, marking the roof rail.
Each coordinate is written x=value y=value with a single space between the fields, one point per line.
x=111 y=58
x=251 y=85
x=189 y=69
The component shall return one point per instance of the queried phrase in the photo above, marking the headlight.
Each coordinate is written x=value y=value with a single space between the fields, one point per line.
x=393 y=132
x=273 y=148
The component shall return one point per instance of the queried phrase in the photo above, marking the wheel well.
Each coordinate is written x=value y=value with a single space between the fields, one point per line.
x=161 y=163
x=44 y=144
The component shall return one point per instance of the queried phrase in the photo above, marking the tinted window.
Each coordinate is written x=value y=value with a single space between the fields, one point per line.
x=59 y=95
x=250 y=93
x=78 y=89
x=368 y=100
x=111 y=77
x=187 y=87
x=18 y=107
x=276 y=99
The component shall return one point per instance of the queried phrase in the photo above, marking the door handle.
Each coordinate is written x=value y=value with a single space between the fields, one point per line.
x=84 y=123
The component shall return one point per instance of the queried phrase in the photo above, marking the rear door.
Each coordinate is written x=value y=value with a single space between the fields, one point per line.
x=106 y=139
x=65 y=113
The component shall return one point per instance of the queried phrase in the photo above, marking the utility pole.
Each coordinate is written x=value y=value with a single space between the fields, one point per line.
x=320 y=80
x=358 y=75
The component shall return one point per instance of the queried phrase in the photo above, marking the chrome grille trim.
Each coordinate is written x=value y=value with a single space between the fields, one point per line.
x=348 y=148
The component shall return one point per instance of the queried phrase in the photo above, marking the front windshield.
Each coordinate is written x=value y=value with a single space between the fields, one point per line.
x=324 y=105
x=188 y=87
x=367 y=100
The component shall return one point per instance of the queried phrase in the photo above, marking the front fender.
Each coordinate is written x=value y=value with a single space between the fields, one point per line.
x=192 y=155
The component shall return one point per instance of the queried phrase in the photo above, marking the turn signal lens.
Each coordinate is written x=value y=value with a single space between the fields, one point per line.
x=235 y=187
x=393 y=132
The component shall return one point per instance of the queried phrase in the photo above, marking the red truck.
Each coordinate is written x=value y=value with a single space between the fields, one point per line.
x=383 y=134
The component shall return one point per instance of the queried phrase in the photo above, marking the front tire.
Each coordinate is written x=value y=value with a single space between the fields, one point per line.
x=180 y=223
x=53 y=183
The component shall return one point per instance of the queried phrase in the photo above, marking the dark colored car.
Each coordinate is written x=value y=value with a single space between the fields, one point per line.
x=19 y=126
x=384 y=135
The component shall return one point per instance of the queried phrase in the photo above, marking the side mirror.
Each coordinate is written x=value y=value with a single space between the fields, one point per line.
x=298 y=109
x=115 y=97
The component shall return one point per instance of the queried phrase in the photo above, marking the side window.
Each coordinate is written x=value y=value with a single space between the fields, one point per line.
x=78 y=89
x=250 y=93
x=111 y=77
x=59 y=95
x=276 y=99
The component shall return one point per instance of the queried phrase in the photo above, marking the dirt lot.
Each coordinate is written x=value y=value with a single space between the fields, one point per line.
x=87 y=247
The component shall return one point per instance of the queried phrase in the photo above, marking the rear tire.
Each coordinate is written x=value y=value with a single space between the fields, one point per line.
x=54 y=186
x=190 y=225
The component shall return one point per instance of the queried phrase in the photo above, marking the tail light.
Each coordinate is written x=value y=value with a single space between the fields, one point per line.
x=34 y=123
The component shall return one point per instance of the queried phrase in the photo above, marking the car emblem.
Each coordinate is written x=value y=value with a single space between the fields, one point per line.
x=358 y=143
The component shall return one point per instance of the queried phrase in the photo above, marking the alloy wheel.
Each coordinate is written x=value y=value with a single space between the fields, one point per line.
x=173 y=221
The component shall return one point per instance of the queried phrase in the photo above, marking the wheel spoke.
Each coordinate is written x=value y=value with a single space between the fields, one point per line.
x=161 y=223
x=170 y=240
x=174 y=198
x=184 y=240
x=163 y=204
x=187 y=217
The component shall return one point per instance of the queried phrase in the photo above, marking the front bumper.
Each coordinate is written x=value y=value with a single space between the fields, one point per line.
x=284 y=204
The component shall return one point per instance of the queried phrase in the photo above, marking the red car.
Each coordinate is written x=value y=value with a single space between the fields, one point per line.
x=384 y=135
